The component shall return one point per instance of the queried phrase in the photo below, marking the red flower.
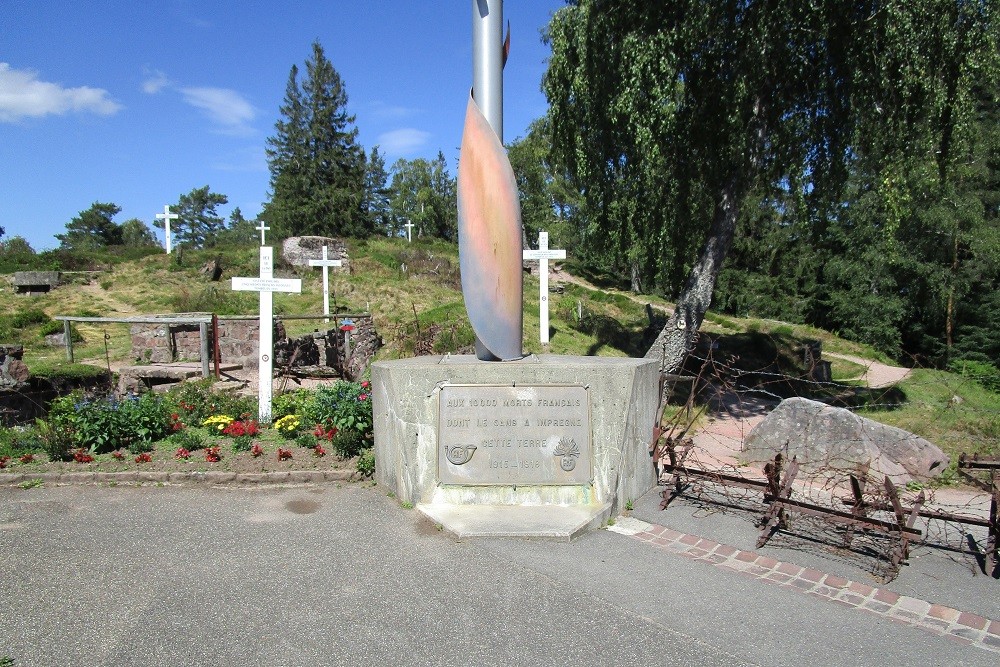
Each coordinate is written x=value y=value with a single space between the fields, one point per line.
x=182 y=453
x=284 y=454
x=363 y=397
x=81 y=456
x=319 y=451
x=27 y=458
x=256 y=450
x=365 y=384
x=4 y=460
x=118 y=455
x=145 y=457
x=212 y=454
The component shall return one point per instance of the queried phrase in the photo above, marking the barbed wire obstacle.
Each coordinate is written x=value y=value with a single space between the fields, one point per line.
x=879 y=520
x=991 y=486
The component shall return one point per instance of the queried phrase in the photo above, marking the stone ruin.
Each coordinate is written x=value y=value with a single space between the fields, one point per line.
x=321 y=353
x=33 y=283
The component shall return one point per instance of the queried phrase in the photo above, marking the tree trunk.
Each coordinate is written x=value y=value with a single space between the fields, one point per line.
x=681 y=331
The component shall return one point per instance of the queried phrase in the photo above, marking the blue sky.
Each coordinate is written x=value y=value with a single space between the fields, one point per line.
x=138 y=102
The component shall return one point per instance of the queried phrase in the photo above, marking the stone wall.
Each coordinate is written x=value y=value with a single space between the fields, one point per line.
x=168 y=343
x=238 y=340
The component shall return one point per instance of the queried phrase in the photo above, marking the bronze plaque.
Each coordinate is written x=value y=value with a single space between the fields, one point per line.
x=510 y=435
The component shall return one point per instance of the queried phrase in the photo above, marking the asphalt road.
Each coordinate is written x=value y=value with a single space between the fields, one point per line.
x=344 y=576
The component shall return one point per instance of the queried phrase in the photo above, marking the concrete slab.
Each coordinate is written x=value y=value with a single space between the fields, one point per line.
x=551 y=522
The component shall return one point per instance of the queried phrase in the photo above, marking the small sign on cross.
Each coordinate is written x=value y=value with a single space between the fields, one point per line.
x=166 y=217
x=326 y=264
x=543 y=255
x=266 y=285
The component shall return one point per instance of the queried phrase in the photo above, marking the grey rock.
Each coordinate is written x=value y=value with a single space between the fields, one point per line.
x=825 y=437
x=56 y=340
x=298 y=250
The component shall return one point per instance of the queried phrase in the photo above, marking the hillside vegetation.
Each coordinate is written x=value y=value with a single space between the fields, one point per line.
x=413 y=292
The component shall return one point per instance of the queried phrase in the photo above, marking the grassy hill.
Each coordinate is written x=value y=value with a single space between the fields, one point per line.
x=414 y=294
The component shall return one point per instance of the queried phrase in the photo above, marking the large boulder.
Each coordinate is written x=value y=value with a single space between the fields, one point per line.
x=824 y=438
x=298 y=250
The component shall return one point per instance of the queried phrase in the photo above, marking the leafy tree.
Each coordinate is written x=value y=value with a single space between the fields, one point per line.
x=545 y=195
x=317 y=167
x=673 y=119
x=424 y=193
x=198 y=224
x=377 y=195
x=136 y=234
x=92 y=228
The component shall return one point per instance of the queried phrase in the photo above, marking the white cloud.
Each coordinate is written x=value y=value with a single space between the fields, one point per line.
x=156 y=82
x=385 y=111
x=403 y=141
x=225 y=107
x=23 y=95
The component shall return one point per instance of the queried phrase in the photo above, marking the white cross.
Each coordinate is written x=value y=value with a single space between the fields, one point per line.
x=543 y=255
x=266 y=285
x=326 y=264
x=409 y=229
x=263 y=228
x=166 y=217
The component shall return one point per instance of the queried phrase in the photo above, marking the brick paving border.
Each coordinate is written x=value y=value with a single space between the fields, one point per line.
x=938 y=619
x=211 y=478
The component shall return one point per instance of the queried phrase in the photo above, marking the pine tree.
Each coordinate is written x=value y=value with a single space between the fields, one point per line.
x=198 y=224
x=317 y=167
x=377 y=193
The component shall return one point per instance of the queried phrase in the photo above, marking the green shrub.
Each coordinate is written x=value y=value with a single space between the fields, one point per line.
x=57 y=327
x=189 y=438
x=345 y=405
x=366 y=463
x=290 y=403
x=985 y=374
x=194 y=402
x=349 y=443
x=103 y=424
x=306 y=440
x=56 y=440
x=26 y=318
x=20 y=440
x=241 y=443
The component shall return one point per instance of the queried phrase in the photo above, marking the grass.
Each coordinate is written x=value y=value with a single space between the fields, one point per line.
x=955 y=413
x=403 y=284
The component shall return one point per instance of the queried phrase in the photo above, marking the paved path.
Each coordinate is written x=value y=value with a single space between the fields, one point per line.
x=329 y=575
x=877 y=375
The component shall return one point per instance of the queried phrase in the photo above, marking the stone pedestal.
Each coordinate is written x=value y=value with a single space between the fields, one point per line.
x=547 y=446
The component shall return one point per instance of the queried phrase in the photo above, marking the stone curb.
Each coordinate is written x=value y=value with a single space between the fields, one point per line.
x=210 y=478
x=938 y=619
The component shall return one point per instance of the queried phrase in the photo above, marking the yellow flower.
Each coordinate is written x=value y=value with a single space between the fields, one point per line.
x=218 y=421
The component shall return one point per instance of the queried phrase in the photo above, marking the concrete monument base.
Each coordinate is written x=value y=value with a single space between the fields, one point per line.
x=547 y=446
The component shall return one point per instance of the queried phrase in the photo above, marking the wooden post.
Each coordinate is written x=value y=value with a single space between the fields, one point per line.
x=215 y=343
x=203 y=336
x=68 y=335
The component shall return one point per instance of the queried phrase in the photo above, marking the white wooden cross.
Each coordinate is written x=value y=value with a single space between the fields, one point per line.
x=326 y=264
x=543 y=255
x=266 y=285
x=263 y=228
x=166 y=217
x=409 y=229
